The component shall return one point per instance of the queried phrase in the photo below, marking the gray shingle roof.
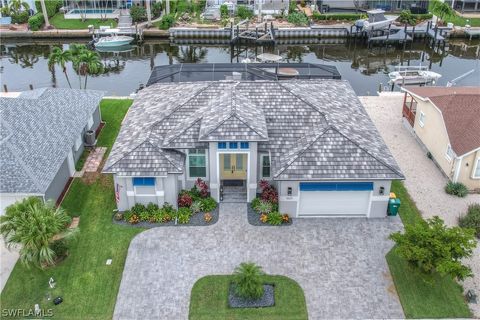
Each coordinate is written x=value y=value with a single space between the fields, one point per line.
x=313 y=129
x=38 y=129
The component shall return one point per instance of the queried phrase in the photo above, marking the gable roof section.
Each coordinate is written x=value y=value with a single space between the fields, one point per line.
x=39 y=129
x=460 y=108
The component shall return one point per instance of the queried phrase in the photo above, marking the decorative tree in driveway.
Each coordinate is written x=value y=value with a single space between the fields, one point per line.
x=432 y=246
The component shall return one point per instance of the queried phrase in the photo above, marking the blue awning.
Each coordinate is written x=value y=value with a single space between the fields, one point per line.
x=336 y=186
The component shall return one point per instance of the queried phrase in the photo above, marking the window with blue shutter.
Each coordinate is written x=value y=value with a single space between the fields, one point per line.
x=143 y=182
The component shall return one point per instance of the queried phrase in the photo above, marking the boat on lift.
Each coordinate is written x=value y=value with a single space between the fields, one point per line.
x=376 y=21
x=405 y=75
x=112 y=41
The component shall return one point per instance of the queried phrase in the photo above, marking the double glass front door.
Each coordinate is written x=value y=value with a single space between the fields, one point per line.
x=233 y=166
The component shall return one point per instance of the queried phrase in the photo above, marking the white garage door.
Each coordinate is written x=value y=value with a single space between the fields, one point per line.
x=334 y=199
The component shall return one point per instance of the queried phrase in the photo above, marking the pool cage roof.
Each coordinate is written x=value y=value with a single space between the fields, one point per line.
x=190 y=72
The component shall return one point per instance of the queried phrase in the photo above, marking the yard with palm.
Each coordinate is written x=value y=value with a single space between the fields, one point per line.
x=87 y=285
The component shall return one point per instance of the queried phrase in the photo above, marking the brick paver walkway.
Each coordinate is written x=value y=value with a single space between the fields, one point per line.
x=339 y=263
x=94 y=159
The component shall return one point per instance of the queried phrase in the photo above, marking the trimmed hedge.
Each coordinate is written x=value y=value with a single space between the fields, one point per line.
x=471 y=219
x=52 y=6
x=138 y=13
x=337 y=16
x=420 y=17
x=36 y=21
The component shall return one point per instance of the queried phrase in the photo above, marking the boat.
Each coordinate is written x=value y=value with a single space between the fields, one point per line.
x=113 y=41
x=413 y=75
x=376 y=21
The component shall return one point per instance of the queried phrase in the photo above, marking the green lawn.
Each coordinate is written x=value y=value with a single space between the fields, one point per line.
x=88 y=286
x=423 y=295
x=455 y=19
x=209 y=300
x=59 y=22
x=81 y=161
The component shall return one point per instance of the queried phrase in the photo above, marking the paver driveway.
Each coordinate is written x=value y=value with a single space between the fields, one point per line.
x=339 y=263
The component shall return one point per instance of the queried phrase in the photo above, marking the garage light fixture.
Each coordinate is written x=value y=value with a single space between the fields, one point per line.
x=289 y=191
x=381 y=191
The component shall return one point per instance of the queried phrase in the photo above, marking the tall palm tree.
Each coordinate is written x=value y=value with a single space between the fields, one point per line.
x=45 y=14
x=33 y=225
x=60 y=57
x=89 y=63
x=191 y=54
x=149 y=13
x=16 y=6
x=76 y=50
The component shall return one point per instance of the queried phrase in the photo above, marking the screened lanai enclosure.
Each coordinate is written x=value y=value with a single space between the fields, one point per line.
x=97 y=9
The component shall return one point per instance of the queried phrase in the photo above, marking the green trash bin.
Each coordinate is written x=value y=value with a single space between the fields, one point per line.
x=393 y=205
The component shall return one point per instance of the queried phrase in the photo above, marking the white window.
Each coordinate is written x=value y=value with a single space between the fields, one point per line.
x=90 y=122
x=449 y=154
x=197 y=163
x=265 y=162
x=421 y=119
x=476 y=173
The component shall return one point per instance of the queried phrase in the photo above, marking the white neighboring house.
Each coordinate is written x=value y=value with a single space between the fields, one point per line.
x=41 y=137
x=312 y=139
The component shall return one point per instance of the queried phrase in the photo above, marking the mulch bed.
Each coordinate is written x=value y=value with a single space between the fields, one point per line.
x=196 y=220
x=254 y=219
x=267 y=300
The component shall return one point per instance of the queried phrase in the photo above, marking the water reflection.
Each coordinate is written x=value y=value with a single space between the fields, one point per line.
x=23 y=64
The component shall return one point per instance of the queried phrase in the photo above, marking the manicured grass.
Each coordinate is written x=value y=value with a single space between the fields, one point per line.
x=454 y=18
x=209 y=300
x=423 y=295
x=81 y=161
x=59 y=22
x=88 y=286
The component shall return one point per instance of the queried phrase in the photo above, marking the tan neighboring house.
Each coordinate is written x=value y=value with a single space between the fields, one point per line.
x=446 y=120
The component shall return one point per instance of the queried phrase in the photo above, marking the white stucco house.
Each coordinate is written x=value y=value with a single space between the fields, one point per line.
x=312 y=139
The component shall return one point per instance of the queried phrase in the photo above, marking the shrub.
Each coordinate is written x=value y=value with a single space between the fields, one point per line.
x=207 y=217
x=471 y=219
x=201 y=187
x=20 y=17
x=244 y=13
x=152 y=207
x=406 y=17
x=144 y=216
x=60 y=248
x=275 y=218
x=156 y=216
x=118 y=216
x=138 y=208
x=269 y=193
x=264 y=207
x=292 y=6
x=255 y=203
x=248 y=281
x=184 y=215
x=138 y=13
x=457 y=189
x=184 y=199
x=224 y=11
x=167 y=215
x=156 y=9
x=127 y=215
x=196 y=207
x=36 y=21
x=208 y=204
x=432 y=246
x=134 y=219
x=52 y=6
x=182 y=7
x=264 y=218
x=285 y=218
x=166 y=22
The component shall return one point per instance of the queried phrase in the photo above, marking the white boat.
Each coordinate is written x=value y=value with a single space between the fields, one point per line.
x=413 y=75
x=113 y=41
x=376 y=21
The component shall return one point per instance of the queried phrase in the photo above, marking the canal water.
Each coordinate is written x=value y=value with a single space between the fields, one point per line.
x=24 y=64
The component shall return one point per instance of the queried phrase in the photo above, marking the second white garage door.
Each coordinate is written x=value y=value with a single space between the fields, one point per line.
x=338 y=202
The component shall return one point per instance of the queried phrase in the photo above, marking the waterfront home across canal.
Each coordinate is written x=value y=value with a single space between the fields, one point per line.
x=312 y=139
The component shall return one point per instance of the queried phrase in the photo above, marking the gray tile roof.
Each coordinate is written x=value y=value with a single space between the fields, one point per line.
x=37 y=130
x=313 y=129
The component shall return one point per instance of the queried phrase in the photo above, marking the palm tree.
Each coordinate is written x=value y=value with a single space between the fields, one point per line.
x=248 y=280
x=76 y=50
x=149 y=13
x=443 y=9
x=16 y=5
x=45 y=14
x=189 y=54
x=33 y=225
x=60 y=57
x=89 y=63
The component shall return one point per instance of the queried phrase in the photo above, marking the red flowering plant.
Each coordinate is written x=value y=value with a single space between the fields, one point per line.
x=269 y=193
x=202 y=187
x=184 y=200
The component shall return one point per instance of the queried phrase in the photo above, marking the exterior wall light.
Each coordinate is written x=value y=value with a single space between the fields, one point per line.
x=289 y=191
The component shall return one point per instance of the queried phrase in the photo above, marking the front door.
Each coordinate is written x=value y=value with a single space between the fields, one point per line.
x=233 y=166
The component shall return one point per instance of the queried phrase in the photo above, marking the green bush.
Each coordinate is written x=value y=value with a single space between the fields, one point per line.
x=182 y=6
x=298 y=19
x=471 y=219
x=457 y=189
x=244 y=13
x=157 y=9
x=208 y=204
x=406 y=17
x=20 y=17
x=152 y=207
x=196 y=206
x=292 y=6
x=52 y=6
x=60 y=248
x=184 y=215
x=224 y=11
x=138 y=13
x=138 y=208
x=263 y=207
x=36 y=21
x=166 y=22
x=424 y=16
x=248 y=281
x=144 y=216
x=127 y=215
x=336 y=16
x=274 y=218
x=255 y=203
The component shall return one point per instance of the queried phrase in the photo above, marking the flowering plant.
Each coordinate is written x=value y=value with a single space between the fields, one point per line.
x=202 y=187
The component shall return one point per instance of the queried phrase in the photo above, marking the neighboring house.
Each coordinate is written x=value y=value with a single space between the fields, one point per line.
x=387 y=5
x=41 y=138
x=311 y=138
x=464 y=6
x=447 y=123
